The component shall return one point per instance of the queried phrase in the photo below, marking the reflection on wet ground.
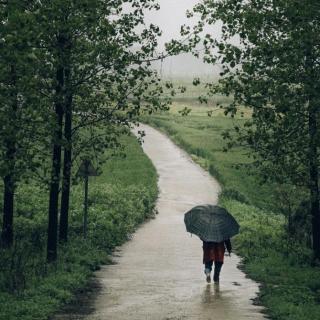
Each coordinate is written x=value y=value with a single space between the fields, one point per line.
x=158 y=275
x=211 y=294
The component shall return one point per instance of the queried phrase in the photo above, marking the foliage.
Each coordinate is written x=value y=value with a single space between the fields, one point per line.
x=201 y=137
x=20 y=107
x=73 y=74
x=103 y=51
x=36 y=288
x=264 y=53
x=290 y=287
x=230 y=193
x=270 y=63
x=271 y=255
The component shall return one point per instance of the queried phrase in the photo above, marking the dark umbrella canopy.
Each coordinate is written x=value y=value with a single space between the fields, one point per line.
x=211 y=223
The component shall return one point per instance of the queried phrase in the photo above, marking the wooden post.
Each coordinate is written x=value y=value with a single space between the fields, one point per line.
x=86 y=169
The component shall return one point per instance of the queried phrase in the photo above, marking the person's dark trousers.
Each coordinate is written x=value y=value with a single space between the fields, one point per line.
x=217 y=269
x=208 y=265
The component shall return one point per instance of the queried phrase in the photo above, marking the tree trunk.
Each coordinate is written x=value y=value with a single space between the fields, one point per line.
x=65 y=197
x=55 y=174
x=314 y=182
x=8 y=201
x=313 y=114
x=9 y=183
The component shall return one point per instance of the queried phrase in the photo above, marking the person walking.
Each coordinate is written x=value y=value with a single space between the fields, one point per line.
x=213 y=252
x=215 y=226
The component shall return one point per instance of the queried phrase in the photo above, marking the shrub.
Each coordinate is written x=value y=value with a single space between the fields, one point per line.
x=233 y=194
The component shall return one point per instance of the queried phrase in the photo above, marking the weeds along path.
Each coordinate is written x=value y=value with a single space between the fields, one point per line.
x=159 y=275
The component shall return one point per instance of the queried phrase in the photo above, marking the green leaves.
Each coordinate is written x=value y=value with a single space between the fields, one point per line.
x=269 y=51
x=73 y=74
x=106 y=48
x=266 y=71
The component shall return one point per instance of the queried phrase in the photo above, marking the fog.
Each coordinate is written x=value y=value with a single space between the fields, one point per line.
x=170 y=18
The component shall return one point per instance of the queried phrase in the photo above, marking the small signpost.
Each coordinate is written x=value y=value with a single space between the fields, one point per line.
x=86 y=170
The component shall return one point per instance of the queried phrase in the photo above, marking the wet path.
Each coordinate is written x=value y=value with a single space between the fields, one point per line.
x=158 y=275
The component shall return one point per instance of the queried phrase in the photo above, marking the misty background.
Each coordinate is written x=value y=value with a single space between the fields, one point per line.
x=170 y=18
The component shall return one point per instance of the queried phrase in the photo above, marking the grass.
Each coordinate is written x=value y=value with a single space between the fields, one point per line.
x=290 y=285
x=201 y=136
x=120 y=199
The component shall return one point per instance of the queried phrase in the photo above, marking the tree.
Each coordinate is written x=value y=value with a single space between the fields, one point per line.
x=118 y=73
x=18 y=105
x=270 y=56
x=96 y=65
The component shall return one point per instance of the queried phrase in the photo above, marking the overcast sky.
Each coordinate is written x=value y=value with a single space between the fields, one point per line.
x=170 y=18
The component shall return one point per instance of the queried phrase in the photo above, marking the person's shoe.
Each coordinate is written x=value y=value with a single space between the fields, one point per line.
x=216 y=280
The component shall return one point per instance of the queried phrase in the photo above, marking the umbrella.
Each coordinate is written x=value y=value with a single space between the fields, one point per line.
x=211 y=223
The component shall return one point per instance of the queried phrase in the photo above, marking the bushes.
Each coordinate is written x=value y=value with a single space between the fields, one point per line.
x=260 y=230
x=119 y=200
x=229 y=193
x=291 y=288
x=119 y=218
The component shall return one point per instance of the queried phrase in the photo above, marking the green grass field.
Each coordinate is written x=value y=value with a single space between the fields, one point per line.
x=290 y=286
x=120 y=199
x=201 y=136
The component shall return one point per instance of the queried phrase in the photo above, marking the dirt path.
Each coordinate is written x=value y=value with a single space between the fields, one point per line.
x=159 y=275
